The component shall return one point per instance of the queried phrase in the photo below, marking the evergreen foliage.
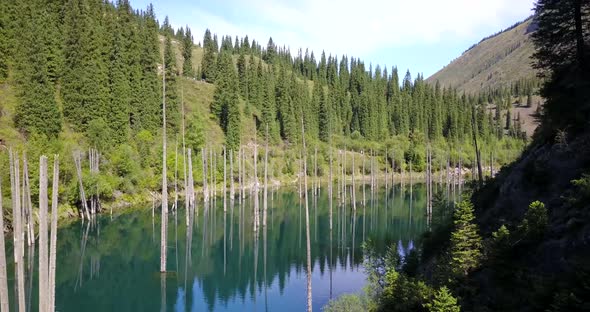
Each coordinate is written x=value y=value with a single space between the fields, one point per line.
x=443 y=301
x=562 y=43
x=466 y=243
x=187 y=53
x=172 y=100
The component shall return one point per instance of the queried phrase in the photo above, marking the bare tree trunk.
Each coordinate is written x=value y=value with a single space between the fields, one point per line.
x=309 y=302
x=184 y=167
x=176 y=175
x=53 y=240
x=386 y=169
x=256 y=201
x=364 y=182
x=43 y=261
x=232 y=190
x=26 y=203
x=191 y=186
x=344 y=176
x=224 y=179
x=163 y=228
x=77 y=161
x=4 y=304
x=315 y=172
x=331 y=185
x=300 y=173
x=265 y=203
x=353 y=185
x=477 y=152
x=17 y=229
x=240 y=172
x=205 y=190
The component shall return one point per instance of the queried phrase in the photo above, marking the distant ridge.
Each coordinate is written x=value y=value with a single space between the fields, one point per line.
x=496 y=61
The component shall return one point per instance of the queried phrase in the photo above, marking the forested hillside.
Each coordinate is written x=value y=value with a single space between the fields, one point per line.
x=519 y=242
x=86 y=73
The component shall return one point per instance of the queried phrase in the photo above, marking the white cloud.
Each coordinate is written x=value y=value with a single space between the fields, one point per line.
x=357 y=27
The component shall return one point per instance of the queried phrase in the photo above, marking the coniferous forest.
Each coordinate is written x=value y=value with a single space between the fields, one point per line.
x=82 y=79
x=138 y=109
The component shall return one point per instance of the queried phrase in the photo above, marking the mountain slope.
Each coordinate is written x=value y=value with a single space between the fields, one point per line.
x=495 y=61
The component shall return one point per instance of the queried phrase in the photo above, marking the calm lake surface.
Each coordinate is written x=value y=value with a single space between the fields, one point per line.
x=220 y=264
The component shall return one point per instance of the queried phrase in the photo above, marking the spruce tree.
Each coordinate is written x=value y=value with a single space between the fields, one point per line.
x=443 y=301
x=208 y=67
x=243 y=76
x=466 y=243
x=187 y=53
x=226 y=100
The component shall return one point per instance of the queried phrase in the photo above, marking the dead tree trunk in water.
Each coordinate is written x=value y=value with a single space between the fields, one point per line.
x=204 y=161
x=364 y=180
x=224 y=179
x=330 y=185
x=191 y=186
x=4 y=304
x=84 y=208
x=17 y=229
x=43 y=261
x=265 y=203
x=163 y=228
x=308 y=242
x=232 y=190
x=256 y=203
x=27 y=206
x=477 y=152
x=53 y=239
x=353 y=185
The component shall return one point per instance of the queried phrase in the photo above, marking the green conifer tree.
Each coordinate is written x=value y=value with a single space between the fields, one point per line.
x=187 y=53
x=466 y=243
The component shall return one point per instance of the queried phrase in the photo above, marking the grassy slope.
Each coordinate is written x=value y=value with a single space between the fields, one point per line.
x=487 y=65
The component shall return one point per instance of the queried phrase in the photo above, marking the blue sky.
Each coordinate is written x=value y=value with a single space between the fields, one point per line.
x=420 y=35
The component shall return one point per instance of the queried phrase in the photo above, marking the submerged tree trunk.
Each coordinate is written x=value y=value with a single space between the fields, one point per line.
x=307 y=235
x=224 y=179
x=477 y=152
x=4 y=304
x=43 y=261
x=53 y=239
x=265 y=203
x=17 y=230
x=163 y=228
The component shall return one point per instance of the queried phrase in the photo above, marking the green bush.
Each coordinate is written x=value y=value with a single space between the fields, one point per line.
x=348 y=303
x=443 y=301
x=535 y=221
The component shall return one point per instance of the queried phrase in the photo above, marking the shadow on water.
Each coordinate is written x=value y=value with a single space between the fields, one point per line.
x=220 y=262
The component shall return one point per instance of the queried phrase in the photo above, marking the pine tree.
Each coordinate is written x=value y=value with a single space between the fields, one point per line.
x=466 y=243
x=187 y=53
x=243 y=76
x=563 y=56
x=443 y=301
x=209 y=55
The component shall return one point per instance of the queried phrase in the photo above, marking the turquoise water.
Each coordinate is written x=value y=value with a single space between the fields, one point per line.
x=219 y=263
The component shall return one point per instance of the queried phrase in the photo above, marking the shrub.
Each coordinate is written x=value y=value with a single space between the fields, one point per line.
x=535 y=221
